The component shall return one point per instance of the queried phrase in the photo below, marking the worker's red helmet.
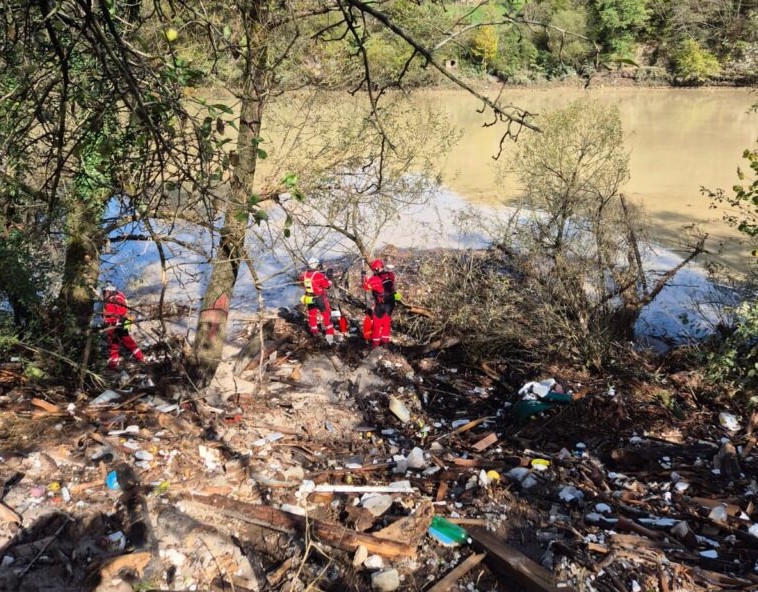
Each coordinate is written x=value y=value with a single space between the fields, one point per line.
x=377 y=264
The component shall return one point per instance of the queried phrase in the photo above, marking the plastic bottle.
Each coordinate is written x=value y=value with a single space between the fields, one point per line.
x=447 y=533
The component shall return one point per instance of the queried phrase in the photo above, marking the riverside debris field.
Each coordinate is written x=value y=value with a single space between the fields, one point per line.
x=292 y=472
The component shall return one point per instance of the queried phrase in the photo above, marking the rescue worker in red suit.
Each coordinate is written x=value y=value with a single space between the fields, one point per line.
x=116 y=318
x=382 y=286
x=316 y=283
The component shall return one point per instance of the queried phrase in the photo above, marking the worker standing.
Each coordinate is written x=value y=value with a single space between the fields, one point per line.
x=382 y=286
x=316 y=283
x=116 y=317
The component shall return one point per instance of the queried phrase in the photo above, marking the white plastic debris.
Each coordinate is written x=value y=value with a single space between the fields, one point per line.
x=718 y=514
x=658 y=521
x=415 y=459
x=293 y=509
x=570 y=493
x=710 y=554
x=729 y=421
x=753 y=530
x=385 y=581
x=518 y=473
x=107 y=396
x=273 y=437
x=603 y=508
x=373 y=562
x=375 y=503
x=536 y=390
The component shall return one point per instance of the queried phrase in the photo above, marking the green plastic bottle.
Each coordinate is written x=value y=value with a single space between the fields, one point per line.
x=447 y=533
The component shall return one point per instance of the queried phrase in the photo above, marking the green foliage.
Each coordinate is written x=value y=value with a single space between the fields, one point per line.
x=576 y=232
x=569 y=49
x=618 y=22
x=734 y=358
x=25 y=277
x=692 y=63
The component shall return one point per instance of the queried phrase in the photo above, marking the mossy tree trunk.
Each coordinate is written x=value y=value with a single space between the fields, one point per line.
x=214 y=314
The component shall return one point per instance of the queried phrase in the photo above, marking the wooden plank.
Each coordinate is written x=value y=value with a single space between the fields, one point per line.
x=464 y=428
x=44 y=405
x=332 y=534
x=485 y=442
x=457 y=573
x=513 y=564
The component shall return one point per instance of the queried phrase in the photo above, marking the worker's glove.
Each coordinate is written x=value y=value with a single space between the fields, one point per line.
x=306 y=299
x=398 y=297
x=126 y=324
x=330 y=273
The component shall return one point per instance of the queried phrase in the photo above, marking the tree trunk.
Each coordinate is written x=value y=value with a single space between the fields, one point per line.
x=214 y=314
x=80 y=274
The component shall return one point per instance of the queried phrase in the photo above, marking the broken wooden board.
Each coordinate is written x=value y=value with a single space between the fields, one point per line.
x=457 y=573
x=331 y=534
x=513 y=564
x=410 y=529
x=485 y=442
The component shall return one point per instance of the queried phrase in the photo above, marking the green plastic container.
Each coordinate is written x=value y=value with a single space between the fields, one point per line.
x=447 y=533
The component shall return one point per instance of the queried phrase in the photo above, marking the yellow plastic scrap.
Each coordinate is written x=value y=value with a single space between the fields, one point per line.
x=493 y=475
x=540 y=464
x=161 y=488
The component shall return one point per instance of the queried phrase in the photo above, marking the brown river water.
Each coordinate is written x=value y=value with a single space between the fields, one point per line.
x=679 y=141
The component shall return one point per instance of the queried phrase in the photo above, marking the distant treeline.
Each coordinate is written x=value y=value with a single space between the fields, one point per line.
x=682 y=42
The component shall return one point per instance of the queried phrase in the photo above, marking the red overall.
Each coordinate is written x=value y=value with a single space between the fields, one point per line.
x=114 y=314
x=382 y=286
x=315 y=284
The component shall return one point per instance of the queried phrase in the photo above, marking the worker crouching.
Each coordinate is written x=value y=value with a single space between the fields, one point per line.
x=116 y=318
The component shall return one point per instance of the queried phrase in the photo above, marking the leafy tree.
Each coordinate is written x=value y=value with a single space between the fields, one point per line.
x=484 y=45
x=584 y=242
x=96 y=112
x=618 y=22
x=692 y=63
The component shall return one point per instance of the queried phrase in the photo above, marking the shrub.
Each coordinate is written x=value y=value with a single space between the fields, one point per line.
x=692 y=63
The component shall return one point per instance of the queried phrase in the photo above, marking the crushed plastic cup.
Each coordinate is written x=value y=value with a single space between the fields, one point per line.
x=540 y=464
x=399 y=409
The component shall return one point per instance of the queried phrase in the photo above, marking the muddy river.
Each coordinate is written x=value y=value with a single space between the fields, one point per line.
x=679 y=141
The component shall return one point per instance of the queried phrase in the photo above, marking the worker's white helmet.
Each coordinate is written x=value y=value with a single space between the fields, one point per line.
x=110 y=288
x=312 y=263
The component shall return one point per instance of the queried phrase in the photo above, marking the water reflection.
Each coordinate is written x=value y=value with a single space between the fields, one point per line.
x=679 y=139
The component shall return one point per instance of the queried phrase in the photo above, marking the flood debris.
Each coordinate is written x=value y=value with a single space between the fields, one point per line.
x=340 y=468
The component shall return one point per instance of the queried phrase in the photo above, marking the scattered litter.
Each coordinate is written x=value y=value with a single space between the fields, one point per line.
x=729 y=421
